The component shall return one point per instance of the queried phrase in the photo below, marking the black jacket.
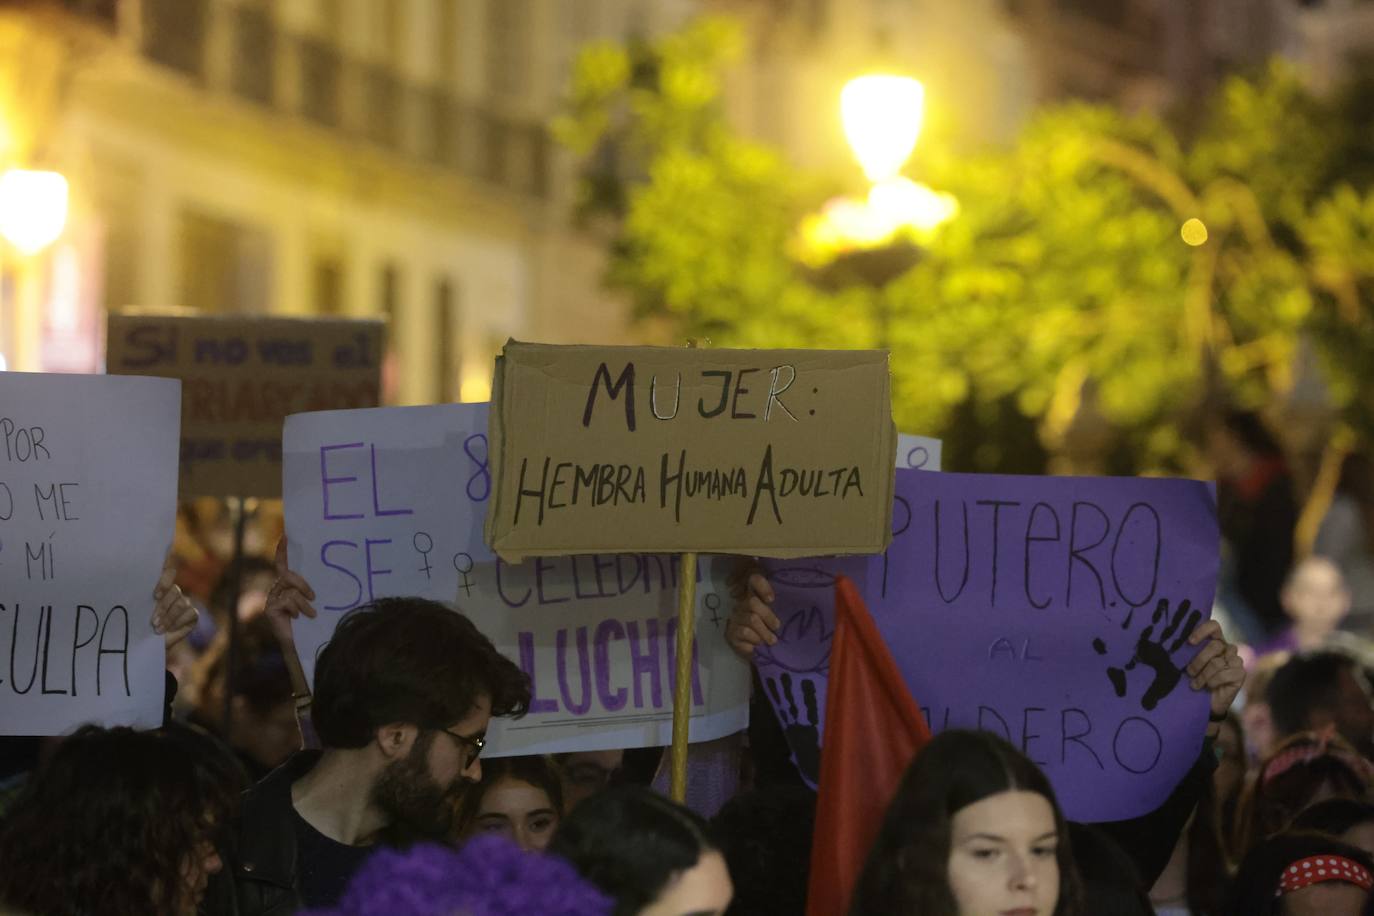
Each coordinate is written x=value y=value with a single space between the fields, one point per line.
x=1150 y=839
x=260 y=876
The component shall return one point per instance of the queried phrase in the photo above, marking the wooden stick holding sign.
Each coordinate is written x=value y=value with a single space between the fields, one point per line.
x=682 y=685
x=682 y=688
x=774 y=453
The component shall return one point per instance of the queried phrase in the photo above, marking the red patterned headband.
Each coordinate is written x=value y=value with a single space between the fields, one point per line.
x=1318 y=869
x=1306 y=753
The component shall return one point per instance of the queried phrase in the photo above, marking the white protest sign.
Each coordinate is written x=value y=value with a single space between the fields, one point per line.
x=919 y=453
x=391 y=501
x=88 y=482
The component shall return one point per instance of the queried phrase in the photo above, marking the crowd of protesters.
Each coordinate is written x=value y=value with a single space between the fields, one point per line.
x=368 y=793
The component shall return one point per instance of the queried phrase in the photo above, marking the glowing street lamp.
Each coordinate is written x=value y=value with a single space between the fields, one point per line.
x=900 y=202
x=882 y=119
x=33 y=208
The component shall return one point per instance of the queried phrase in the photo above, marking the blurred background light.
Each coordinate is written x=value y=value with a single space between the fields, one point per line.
x=1194 y=232
x=882 y=119
x=33 y=208
x=900 y=202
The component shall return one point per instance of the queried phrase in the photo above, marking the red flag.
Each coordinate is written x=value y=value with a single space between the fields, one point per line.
x=873 y=728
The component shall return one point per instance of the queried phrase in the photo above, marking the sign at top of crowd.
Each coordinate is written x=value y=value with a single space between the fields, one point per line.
x=241 y=377
x=87 y=507
x=758 y=452
x=390 y=501
x=1053 y=611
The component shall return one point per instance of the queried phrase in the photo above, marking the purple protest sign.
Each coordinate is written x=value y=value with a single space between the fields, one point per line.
x=1053 y=611
x=795 y=671
x=1056 y=612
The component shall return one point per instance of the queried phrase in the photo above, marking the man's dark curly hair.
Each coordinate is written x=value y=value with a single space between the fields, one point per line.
x=108 y=825
x=408 y=660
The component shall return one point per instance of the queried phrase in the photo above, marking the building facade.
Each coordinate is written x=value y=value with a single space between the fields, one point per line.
x=393 y=157
x=1158 y=54
x=335 y=157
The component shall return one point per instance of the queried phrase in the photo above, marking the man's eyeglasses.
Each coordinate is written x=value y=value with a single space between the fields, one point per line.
x=474 y=745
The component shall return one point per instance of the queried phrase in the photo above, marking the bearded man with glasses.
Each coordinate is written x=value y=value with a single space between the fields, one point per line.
x=404 y=692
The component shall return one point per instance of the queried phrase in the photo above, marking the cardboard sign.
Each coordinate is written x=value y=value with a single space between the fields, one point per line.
x=777 y=453
x=87 y=506
x=241 y=377
x=390 y=502
x=1053 y=611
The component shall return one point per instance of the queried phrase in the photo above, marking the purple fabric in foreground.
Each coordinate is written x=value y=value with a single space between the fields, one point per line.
x=489 y=876
x=713 y=769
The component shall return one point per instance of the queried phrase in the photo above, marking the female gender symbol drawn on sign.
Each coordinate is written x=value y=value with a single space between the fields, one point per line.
x=423 y=551
x=712 y=603
x=463 y=563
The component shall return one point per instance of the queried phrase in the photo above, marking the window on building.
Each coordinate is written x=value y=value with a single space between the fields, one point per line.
x=578 y=26
x=510 y=29
x=445 y=136
x=446 y=331
x=389 y=292
x=120 y=262
x=254 y=52
x=1117 y=14
x=447 y=34
x=319 y=67
x=104 y=13
x=491 y=146
x=816 y=15
x=119 y=197
x=382 y=95
x=393 y=26
x=174 y=34
x=330 y=23
x=225 y=267
x=539 y=162
x=327 y=286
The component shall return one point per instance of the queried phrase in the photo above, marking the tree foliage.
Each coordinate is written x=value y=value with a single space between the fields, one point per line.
x=1064 y=285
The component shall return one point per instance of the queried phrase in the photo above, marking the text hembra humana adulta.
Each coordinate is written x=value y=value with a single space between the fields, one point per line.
x=565 y=484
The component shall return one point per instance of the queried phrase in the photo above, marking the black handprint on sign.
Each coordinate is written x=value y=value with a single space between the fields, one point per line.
x=803 y=732
x=1156 y=653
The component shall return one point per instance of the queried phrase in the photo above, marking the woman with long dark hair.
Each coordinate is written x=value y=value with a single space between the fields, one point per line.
x=974 y=830
x=119 y=822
